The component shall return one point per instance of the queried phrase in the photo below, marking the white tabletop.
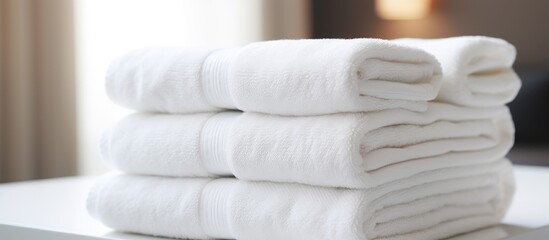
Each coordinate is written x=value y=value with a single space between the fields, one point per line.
x=55 y=208
x=530 y=207
x=49 y=209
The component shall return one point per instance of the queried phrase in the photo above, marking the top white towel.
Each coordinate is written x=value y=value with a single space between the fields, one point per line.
x=286 y=77
x=477 y=70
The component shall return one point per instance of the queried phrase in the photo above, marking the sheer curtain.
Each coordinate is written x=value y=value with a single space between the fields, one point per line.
x=37 y=91
x=108 y=28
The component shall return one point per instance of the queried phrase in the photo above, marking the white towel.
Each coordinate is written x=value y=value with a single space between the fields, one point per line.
x=477 y=70
x=340 y=150
x=288 y=77
x=490 y=233
x=432 y=205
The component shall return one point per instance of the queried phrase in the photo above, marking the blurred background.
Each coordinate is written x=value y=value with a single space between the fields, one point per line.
x=54 y=54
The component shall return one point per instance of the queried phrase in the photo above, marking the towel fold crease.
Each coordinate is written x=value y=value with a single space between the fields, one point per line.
x=477 y=70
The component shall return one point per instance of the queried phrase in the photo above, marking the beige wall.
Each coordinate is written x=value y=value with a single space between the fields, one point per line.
x=525 y=23
x=37 y=102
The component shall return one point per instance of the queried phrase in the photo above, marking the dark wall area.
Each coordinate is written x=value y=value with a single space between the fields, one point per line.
x=531 y=108
x=525 y=23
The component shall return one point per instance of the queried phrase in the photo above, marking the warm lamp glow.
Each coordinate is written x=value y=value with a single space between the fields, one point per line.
x=402 y=9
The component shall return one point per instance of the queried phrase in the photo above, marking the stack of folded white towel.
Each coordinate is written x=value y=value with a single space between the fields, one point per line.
x=335 y=139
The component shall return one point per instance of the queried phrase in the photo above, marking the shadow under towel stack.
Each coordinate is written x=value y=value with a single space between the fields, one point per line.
x=311 y=139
